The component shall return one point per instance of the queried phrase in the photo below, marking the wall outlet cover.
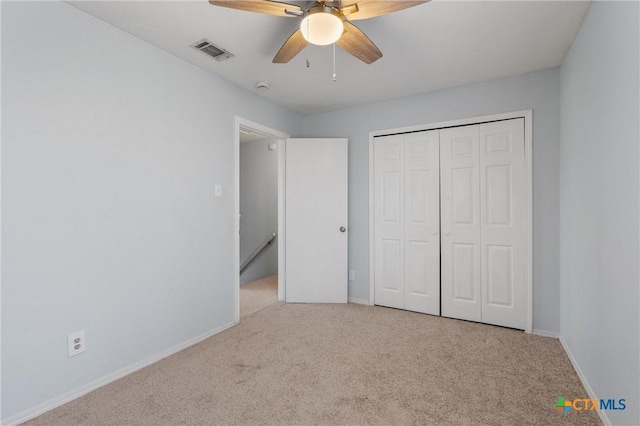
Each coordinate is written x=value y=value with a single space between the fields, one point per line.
x=76 y=343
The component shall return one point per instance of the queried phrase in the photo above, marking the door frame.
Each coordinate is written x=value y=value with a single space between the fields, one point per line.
x=281 y=138
x=527 y=115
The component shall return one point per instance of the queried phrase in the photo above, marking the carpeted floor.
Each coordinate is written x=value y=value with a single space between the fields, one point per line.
x=257 y=295
x=344 y=365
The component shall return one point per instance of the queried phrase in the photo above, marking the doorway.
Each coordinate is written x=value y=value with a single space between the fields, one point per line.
x=259 y=212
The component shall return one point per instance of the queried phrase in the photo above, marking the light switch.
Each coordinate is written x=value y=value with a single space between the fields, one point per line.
x=218 y=191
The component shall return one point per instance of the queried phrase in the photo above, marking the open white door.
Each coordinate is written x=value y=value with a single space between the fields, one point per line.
x=316 y=220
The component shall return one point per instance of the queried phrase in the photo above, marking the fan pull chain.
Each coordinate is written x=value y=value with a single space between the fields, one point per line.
x=334 y=62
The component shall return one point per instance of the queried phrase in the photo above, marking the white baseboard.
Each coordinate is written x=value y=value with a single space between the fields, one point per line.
x=91 y=386
x=585 y=383
x=545 y=333
x=358 y=301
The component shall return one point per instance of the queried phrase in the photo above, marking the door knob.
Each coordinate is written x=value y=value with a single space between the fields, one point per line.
x=435 y=232
x=342 y=229
x=446 y=232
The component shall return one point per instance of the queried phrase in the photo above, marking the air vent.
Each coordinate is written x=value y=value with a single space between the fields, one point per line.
x=217 y=53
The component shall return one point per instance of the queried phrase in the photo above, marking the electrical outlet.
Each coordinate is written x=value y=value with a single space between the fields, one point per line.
x=352 y=275
x=76 y=343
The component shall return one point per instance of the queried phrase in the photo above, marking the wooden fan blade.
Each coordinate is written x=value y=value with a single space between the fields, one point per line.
x=357 y=43
x=364 y=9
x=294 y=44
x=261 y=6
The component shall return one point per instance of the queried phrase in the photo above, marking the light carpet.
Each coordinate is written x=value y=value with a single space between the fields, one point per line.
x=295 y=364
x=257 y=295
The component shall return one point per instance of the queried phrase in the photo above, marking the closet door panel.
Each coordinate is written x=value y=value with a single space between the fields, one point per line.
x=389 y=182
x=460 y=223
x=503 y=203
x=422 y=222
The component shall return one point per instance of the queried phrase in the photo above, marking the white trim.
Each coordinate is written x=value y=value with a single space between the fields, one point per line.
x=372 y=207
x=0 y=230
x=281 y=137
x=282 y=217
x=583 y=379
x=528 y=141
x=91 y=386
x=545 y=333
x=358 y=301
x=452 y=123
x=528 y=149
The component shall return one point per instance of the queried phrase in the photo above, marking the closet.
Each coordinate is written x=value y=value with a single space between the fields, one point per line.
x=450 y=234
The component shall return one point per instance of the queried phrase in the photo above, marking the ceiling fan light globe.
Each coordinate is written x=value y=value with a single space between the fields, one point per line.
x=321 y=28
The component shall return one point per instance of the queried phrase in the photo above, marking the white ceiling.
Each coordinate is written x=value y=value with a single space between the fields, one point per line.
x=432 y=46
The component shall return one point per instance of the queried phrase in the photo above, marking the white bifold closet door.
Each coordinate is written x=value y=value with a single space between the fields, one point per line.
x=407 y=240
x=460 y=221
x=483 y=217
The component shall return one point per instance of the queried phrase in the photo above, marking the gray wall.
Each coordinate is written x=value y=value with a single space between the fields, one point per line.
x=111 y=149
x=599 y=203
x=538 y=91
x=258 y=207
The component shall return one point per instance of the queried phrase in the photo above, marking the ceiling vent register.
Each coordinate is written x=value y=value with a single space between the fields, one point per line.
x=208 y=48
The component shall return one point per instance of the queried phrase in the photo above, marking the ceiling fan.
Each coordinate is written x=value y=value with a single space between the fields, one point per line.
x=324 y=22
